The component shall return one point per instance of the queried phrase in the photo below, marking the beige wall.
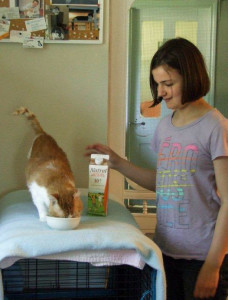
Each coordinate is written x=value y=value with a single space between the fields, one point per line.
x=66 y=86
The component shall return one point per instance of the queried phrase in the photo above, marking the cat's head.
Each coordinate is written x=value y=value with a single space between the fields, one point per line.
x=66 y=205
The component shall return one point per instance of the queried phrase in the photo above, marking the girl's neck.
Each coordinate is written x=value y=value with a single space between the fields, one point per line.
x=190 y=112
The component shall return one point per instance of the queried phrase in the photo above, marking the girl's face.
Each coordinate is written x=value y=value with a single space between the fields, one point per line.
x=169 y=87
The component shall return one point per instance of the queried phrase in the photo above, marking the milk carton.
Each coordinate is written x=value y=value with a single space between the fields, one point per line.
x=98 y=184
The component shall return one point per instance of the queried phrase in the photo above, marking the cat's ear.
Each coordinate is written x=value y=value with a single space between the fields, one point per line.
x=56 y=196
x=53 y=202
x=76 y=195
x=78 y=203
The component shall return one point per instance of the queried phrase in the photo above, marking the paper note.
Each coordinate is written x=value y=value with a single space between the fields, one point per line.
x=33 y=42
x=9 y=13
x=18 y=36
x=12 y=3
x=4 y=35
x=4 y=29
x=4 y=25
x=35 y=24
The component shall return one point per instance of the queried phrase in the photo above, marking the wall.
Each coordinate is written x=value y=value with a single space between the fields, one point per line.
x=66 y=86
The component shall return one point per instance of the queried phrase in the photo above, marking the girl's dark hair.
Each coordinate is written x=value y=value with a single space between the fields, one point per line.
x=185 y=57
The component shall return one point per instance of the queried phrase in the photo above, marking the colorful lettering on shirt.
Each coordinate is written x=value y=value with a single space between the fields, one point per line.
x=176 y=163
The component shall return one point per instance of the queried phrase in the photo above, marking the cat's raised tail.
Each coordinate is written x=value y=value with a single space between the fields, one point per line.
x=30 y=116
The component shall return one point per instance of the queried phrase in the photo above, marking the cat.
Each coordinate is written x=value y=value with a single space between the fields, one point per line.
x=49 y=176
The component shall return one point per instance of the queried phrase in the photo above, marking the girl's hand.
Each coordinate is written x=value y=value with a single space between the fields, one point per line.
x=207 y=282
x=114 y=159
x=143 y=177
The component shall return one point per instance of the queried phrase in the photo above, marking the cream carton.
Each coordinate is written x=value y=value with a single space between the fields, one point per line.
x=98 y=184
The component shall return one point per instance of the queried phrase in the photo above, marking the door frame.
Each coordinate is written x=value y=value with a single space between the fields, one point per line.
x=118 y=95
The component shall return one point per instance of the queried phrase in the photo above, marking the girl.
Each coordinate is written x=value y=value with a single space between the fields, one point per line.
x=191 y=176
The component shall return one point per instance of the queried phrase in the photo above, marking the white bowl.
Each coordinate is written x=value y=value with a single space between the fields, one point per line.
x=63 y=223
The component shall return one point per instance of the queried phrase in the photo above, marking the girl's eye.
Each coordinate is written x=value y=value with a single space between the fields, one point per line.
x=169 y=84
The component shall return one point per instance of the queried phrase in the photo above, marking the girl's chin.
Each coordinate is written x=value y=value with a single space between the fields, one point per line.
x=168 y=103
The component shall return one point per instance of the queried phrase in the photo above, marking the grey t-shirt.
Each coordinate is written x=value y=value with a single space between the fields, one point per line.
x=187 y=199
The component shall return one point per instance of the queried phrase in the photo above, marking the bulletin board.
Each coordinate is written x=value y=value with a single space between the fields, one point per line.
x=52 y=21
x=4 y=3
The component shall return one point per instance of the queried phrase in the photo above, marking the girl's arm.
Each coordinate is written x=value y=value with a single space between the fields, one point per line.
x=143 y=177
x=207 y=281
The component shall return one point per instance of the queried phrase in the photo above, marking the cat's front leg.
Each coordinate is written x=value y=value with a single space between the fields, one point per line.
x=43 y=217
x=40 y=199
x=42 y=209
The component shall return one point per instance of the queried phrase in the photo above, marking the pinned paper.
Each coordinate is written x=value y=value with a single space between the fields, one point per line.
x=4 y=29
x=4 y=25
x=35 y=24
x=9 y=13
x=18 y=36
x=4 y=35
x=33 y=42
x=12 y=3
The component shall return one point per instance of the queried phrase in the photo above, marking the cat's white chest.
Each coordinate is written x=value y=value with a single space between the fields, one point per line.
x=40 y=199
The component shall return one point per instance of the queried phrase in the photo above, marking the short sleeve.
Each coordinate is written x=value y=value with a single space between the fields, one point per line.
x=219 y=140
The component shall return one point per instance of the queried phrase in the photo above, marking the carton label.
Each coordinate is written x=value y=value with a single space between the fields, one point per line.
x=97 y=177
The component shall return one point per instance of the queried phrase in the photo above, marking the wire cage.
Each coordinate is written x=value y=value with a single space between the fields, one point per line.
x=53 y=279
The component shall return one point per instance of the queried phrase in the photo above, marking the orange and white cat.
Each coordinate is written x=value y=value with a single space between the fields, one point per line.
x=49 y=176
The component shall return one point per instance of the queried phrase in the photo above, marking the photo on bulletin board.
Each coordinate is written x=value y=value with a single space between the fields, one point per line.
x=31 y=9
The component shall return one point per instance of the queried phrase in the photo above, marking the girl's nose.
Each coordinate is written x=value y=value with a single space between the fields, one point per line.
x=161 y=91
